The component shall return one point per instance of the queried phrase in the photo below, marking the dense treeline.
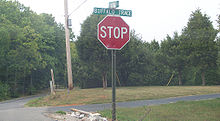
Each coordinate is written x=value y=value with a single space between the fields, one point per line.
x=32 y=44
x=191 y=57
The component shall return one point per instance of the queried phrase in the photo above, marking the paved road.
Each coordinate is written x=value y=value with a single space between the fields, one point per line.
x=98 y=107
x=14 y=110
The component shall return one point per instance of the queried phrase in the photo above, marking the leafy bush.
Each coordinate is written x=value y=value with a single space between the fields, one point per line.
x=61 y=112
x=4 y=91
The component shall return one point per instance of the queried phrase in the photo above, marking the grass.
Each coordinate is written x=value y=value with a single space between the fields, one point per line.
x=99 y=95
x=204 y=110
x=61 y=112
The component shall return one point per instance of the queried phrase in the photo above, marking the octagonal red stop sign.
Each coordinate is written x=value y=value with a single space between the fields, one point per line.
x=113 y=32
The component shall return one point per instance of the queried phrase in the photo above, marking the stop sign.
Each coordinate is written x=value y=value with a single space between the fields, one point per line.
x=113 y=32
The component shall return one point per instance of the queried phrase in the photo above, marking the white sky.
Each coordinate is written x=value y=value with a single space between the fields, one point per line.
x=152 y=19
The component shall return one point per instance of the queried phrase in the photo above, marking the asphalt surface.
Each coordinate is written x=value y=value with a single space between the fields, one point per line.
x=98 y=107
x=14 y=110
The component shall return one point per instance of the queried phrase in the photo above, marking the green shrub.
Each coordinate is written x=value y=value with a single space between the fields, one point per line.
x=61 y=112
x=4 y=91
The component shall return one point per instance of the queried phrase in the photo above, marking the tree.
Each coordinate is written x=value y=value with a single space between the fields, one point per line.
x=218 y=23
x=136 y=62
x=175 y=58
x=218 y=46
x=78 y=69
x=131 y=62
x=25 y=57
x=92 y=53
x=5 y=31
x=31 y=45
x=198 y=42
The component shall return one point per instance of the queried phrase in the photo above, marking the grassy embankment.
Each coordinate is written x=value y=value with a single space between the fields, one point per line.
x=204 y=110
x=99 y=95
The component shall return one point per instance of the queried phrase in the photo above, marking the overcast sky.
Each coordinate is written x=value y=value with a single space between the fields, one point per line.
x=152 y=19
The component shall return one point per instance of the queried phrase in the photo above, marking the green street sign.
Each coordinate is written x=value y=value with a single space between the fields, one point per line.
x=114 y=4
x=109 y=11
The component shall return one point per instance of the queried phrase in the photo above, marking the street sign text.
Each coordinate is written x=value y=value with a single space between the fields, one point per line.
x=113 y=32
x=108 y=11
x=117 y=32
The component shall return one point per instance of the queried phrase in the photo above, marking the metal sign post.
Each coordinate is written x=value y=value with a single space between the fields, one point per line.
x=114 y=33
x=114 y=4
x=113 y=85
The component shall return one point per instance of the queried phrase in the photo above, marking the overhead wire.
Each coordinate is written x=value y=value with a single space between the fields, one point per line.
x=78 y=7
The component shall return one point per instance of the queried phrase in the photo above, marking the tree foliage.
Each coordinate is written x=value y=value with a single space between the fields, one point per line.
x=198 y=42
x=186 y=56
x=175 y=58
x=92 y=53
x=31 y=45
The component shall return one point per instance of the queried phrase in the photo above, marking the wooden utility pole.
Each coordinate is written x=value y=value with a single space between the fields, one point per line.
x=68 y=56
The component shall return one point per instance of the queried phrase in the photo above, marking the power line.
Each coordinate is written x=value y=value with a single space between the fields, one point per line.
x=78 y=7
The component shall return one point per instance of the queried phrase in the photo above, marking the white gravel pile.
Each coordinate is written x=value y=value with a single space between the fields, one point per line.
x=77 y=116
